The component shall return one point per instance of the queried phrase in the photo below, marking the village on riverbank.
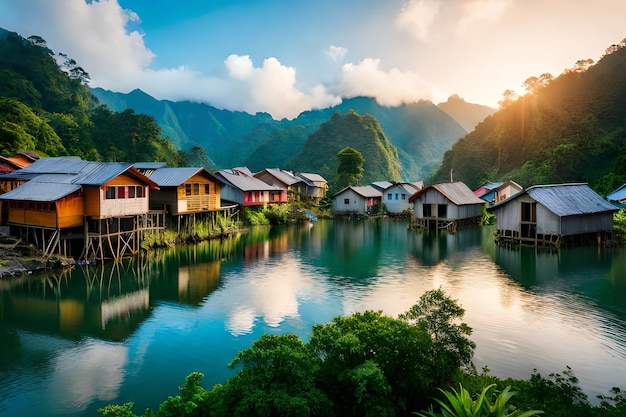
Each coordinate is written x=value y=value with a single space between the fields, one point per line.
x=61 y=210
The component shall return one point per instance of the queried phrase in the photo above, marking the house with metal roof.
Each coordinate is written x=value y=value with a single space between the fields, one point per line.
x=354 y=199
x=396 y=196
x=381 y=185
x=317 y=186
x=618 y=197
x=184 y=190
x=97 y=199
x=284 y=179
x=486 y=190
x=548 y=215
x=494 y=192
x=446 y=205
x=241 y=187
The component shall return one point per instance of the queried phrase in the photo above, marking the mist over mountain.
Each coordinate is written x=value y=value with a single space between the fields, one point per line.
x=420 y=131
x=467 y=114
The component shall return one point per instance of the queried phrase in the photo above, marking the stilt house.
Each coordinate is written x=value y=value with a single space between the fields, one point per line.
x=185 y=190
x=66 y=198
x=543 y=215
x=446 y=205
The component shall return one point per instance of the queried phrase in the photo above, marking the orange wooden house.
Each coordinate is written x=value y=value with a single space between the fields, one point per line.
x=67 y=198
x=185 y=191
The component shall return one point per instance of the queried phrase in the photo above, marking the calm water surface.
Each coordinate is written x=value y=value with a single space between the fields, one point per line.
x=71 y=343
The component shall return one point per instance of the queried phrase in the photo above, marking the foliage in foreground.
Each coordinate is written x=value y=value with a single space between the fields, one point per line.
x=487 y=404
x=369 y=364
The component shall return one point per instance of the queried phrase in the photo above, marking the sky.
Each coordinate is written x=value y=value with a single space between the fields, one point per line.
x=283 y=57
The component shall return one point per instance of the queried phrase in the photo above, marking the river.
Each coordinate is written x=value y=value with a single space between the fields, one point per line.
x=73 y=342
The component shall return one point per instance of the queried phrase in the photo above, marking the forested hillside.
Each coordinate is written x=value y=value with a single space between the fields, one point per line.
x=421 y=131
x=565 y=129
x=363 y=133
x=46 y=107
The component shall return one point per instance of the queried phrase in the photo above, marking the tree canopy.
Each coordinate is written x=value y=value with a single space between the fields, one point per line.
x=349 y=169
x=46 y=107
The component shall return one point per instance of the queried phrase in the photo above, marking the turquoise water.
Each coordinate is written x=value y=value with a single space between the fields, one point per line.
x=71 y=343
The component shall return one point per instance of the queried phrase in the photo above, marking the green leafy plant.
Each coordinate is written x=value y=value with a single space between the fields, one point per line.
x=461 y=404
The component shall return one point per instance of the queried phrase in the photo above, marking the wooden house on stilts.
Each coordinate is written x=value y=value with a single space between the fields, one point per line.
x=445 y=206
x=102 y=205
x=550 y=215
x=187 y=195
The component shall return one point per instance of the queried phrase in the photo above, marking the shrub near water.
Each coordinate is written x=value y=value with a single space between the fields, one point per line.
x=366 y=364
x=369 y=364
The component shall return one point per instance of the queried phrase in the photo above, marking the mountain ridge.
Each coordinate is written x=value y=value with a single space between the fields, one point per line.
x=421 y=131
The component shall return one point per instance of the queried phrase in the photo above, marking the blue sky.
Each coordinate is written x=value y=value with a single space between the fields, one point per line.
x=284 y=57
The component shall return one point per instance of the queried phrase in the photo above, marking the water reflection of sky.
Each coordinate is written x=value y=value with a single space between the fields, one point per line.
x=528 y=311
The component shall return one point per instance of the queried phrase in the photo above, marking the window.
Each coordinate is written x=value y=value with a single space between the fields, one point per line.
x=207 y=188
x=396 y=196
x=529 y=212
x=139 y=191
x=346 y=201
x=187 y=189
x=131 y=192
x=196 y=189
x=426 y=210
x=121 y=192
x=389 y=196
x=110 y=193
x=404 y=196
x=442 y=211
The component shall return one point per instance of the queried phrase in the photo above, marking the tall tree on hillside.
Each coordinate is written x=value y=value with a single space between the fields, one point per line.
x=350 y=168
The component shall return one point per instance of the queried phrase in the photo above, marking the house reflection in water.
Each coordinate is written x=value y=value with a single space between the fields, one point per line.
x=77 y=303
x=196 y=281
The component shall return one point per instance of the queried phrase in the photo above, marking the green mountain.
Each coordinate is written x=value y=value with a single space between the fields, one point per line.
x=46 y=107
x=565 y=129
x=363 y=133
x=420 y=131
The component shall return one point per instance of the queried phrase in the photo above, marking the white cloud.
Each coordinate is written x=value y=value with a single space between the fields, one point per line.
x=417 y=16
x=336 y=52
x=272 y=88
x=483 y=10
x=390 y=88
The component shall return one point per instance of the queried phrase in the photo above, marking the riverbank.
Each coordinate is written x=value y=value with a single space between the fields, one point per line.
x=17 y=259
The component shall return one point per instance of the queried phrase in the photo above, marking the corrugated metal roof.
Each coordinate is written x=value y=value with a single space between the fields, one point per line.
x=40 y=191
x=245 y=182
x=617 y=195
x=173 y=177
x=569 y=199
x=56 y=165
x=311 y=177
x=457 y=192
x=98 y=173
x=367 y=191
x=83 y=172
x=55 y=178
x=18 y=175
x=381 y=185
x=281 y=175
